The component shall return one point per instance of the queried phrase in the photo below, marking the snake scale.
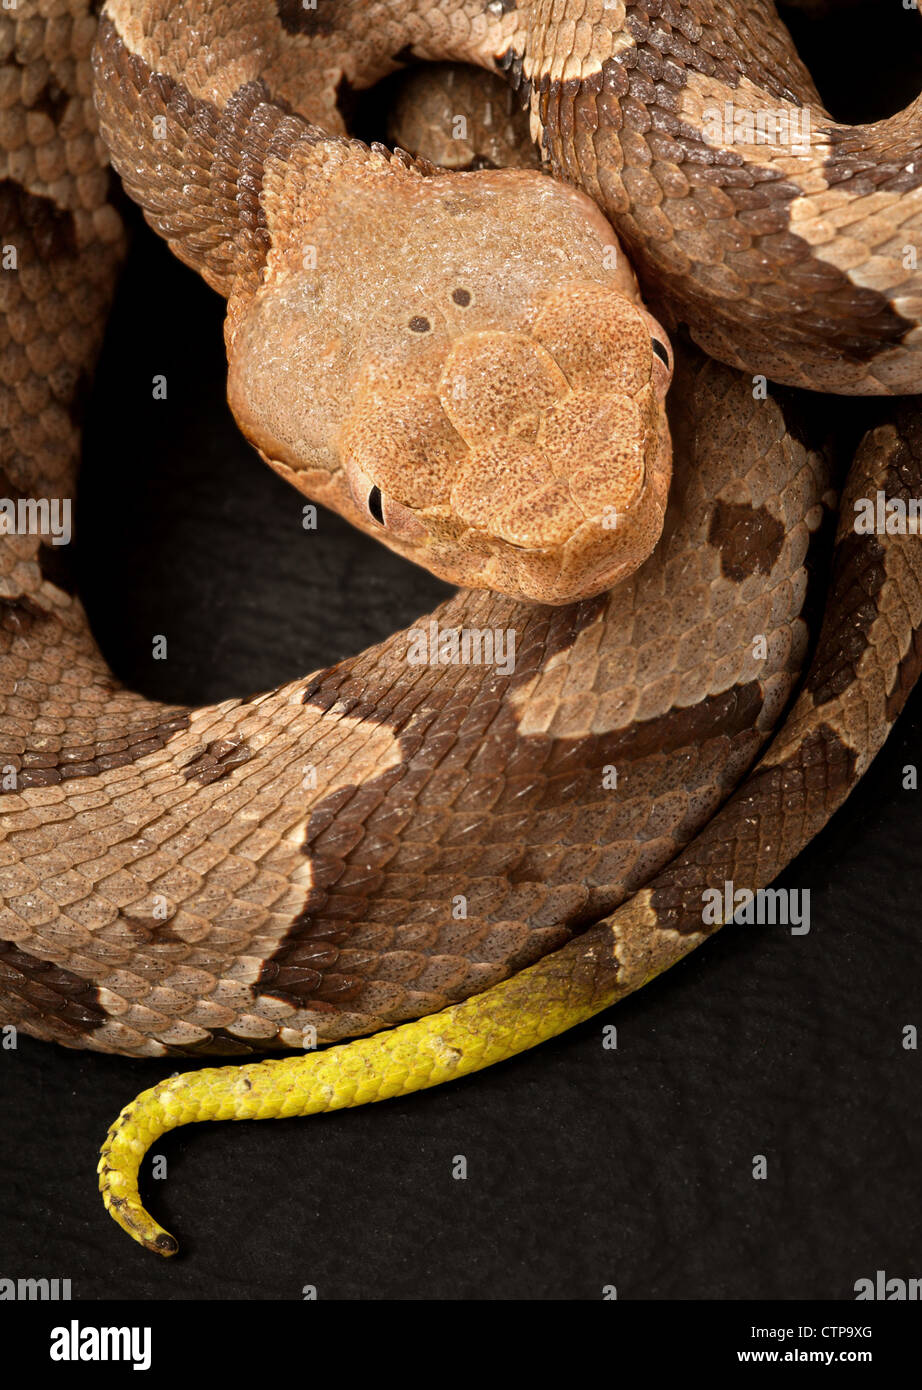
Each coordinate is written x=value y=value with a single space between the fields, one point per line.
x=454 y=859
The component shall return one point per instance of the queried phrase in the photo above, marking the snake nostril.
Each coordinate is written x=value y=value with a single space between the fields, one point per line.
x=375 y=504
x=661 y=351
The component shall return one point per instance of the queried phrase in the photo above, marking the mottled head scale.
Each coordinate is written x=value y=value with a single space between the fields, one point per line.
x=483 y=390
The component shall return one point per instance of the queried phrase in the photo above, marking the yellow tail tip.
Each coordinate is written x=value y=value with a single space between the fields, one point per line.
x=129 y=1213
x=119 y=1164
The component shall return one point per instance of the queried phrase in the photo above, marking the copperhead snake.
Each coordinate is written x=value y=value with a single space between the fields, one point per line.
x=469 y=858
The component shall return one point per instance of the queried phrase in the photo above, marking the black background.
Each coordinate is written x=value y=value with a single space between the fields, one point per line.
x=586 y=1167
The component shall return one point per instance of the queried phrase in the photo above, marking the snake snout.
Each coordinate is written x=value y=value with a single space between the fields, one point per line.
x=543 y=458
x=534 y=461
x=568 y=445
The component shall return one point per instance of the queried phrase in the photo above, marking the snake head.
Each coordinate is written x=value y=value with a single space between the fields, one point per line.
x=468 y=374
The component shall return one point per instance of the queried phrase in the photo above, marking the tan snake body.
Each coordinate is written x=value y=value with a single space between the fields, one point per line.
x=242 y=877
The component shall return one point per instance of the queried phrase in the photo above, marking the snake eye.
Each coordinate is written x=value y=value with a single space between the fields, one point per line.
x=397 y=519
x=661 y=351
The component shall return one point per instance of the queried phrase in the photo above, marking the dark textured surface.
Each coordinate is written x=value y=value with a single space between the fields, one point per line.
x=585 y=1166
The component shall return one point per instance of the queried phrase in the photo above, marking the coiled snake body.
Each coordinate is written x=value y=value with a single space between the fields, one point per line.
x=462 y=365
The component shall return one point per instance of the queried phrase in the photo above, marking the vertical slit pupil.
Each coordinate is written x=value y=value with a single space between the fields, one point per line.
x=375 y=505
